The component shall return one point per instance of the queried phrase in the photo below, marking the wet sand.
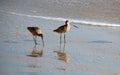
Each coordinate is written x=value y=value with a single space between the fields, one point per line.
x=92 y=50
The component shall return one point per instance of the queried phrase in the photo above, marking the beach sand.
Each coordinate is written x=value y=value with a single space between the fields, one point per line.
x=92 y=50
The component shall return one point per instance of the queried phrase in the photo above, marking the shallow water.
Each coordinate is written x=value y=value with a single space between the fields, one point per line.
x=93 y=50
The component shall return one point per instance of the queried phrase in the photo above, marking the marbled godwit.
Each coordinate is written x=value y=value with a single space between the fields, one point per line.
x=63 y=30
x=36 y=32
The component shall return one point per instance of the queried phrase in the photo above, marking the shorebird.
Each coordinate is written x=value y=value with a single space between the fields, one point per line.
x=63 y=30
x=36 y=32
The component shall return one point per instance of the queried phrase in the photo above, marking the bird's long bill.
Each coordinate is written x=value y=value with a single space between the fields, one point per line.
x=75 y=26
x=42 y=40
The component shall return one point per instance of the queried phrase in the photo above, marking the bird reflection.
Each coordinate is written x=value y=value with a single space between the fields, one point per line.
x=36 y=53
x=62 y=55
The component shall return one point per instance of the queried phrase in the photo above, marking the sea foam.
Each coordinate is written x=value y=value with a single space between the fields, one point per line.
x=63 y=19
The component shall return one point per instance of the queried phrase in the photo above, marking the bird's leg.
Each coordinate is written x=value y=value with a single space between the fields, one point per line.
x=60 y=41
x=64 y=43
x=64 y=39
x=64 y=47
x=34 y=48
x=34 y=38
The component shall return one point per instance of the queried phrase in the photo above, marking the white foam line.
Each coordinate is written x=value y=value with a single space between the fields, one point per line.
x=96 y=23
x=63 y=19
x=34 y=16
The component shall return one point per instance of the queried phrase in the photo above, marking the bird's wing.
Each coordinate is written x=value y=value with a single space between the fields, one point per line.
x=62 y=27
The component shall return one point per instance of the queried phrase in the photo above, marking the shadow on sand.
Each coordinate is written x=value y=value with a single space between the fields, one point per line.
x=100 y=41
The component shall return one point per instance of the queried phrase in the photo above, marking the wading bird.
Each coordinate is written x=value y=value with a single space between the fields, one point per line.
x=63 y=30
x=36 y=32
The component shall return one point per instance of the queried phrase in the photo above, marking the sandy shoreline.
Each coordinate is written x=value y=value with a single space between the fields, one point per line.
x=93 y=50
